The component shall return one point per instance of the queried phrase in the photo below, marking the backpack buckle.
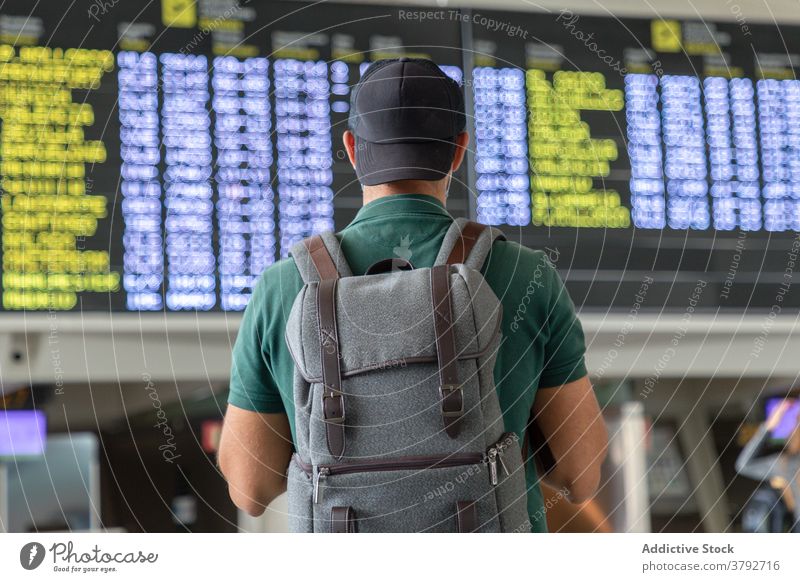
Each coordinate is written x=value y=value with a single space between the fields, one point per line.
x=452 y=400
x=333 y=406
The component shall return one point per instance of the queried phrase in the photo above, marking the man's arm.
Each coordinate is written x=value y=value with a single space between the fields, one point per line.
x=254 y=452
x=571 y=423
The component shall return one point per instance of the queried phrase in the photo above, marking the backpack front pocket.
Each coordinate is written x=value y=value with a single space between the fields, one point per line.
x=444 y=493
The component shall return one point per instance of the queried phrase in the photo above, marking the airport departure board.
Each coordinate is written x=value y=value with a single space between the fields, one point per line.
x=159 y=156
x=658 y=160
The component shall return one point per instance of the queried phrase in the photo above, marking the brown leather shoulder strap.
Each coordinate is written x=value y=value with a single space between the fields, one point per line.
x=469 y=236
x=452 y=398
x=321 y=258
x=333 y=408
x=468 y=243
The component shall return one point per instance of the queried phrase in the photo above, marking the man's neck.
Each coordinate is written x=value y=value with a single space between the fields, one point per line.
x=430 y=188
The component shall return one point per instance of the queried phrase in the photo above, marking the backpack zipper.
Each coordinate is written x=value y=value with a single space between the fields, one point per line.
x=492 y=457
x=321 y=473
x=410 y=463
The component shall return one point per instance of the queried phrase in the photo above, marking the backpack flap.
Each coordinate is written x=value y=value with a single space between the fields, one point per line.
x=387 y=321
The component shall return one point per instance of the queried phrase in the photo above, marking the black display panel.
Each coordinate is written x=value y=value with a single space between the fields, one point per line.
x=160 y=156
x=203 y=140
x=663 y=155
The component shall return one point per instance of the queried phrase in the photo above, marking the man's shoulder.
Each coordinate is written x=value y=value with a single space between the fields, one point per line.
x=512 y=258
x=280 y=278
x=522 y=278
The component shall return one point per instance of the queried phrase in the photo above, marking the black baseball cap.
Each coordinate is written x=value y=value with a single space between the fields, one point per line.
x=405 y=114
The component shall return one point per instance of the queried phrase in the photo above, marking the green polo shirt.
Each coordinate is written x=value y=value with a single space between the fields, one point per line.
x=542 y=342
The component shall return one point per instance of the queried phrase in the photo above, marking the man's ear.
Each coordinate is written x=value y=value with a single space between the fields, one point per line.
x=462 y=141
x=349 y=141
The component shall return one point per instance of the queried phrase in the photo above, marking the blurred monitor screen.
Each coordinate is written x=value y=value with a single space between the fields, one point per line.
x=22 y=433
x=789 y=420
x=57 y=491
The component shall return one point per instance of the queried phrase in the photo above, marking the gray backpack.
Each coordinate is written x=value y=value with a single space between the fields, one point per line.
x=398 y=425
